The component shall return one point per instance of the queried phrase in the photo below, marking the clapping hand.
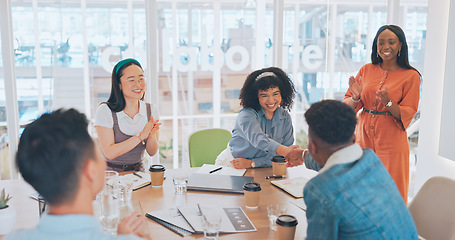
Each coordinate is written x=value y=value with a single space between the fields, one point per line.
x=382 y=95
x=150 y=128
x=355 y=88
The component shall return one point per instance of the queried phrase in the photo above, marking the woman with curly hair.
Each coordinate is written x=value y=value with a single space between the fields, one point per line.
x=263 y=127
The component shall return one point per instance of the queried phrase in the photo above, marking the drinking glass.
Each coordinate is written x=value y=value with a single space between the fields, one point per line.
x=211 y=222
x=273 y=212
x=126 y=190
x=180 y=183
x=108 y=200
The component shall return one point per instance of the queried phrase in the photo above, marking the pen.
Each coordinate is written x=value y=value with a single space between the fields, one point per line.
x=274 y=177
x=135 y=174
x=214 y=170
x=200 y=211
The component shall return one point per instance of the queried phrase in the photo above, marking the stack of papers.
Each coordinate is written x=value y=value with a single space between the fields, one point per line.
x=188 y=220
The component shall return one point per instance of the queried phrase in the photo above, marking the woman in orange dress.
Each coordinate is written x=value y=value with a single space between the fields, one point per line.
x=387 y=91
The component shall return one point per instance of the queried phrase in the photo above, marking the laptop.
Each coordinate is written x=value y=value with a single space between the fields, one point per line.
x=217 y=183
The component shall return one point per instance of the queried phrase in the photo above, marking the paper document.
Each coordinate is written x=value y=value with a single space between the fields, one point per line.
x=223 y=170
x=297 y=177
x=233 y=219
x=140 y=179
x=300 y=171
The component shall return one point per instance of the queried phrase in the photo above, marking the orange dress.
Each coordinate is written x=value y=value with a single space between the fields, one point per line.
x=385 y=134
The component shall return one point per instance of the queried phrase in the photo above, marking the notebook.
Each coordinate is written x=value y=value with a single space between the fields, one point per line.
x=188 y=219
x=217 y=183
x=140 y=179
x=173 y=220
x=296 y=181
x=293 y=186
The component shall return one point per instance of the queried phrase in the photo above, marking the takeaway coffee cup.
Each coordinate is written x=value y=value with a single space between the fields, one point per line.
x=286 y=227
x=157 y=175
x=252 y=192
x=279 y=166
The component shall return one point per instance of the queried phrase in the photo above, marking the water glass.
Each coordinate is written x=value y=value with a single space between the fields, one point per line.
x=180 y=183
x=273 y=212
x=211 y=222
x=108 y=200
x=126 y=190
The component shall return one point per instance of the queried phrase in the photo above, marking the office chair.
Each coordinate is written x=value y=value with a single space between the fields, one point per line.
x=433 y=209
x=205 y=145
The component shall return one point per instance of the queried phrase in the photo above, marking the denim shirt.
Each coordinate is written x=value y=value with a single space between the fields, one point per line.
x=256 y=137
x=356 y=200
x=68 y=227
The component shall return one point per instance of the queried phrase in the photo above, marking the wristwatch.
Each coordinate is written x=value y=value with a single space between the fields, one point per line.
x=389 y=103
x=253 y=165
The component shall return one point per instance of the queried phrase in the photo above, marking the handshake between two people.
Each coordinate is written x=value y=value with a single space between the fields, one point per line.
x=295 y=156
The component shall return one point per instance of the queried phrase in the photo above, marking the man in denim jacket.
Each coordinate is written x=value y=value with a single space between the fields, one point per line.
x=353 y=195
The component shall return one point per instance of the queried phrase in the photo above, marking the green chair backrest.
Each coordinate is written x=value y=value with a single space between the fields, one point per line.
x=205 y=145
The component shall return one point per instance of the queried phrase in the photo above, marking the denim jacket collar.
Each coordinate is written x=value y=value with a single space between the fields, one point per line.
x=345 y=155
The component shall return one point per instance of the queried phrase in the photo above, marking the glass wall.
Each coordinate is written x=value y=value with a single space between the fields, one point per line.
x=205 y=50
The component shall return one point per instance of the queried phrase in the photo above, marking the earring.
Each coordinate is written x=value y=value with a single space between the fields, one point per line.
x=399 y=52
x=377 y=55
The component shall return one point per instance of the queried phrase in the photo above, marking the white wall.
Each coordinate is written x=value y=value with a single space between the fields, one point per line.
x=430 y=163
x=446 y=144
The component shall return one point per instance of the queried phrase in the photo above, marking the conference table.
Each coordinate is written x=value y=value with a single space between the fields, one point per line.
x=149 y=199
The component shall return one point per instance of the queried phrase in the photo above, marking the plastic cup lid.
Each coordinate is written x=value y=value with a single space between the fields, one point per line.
x=286 y=221
x=157 y=168
x=252 y=187
x=279 y=159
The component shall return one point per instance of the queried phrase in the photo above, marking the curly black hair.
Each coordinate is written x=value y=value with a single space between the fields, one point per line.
x=249 y=92
x=331 y=121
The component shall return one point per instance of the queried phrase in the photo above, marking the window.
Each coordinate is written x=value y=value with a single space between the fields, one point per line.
x=205 y=50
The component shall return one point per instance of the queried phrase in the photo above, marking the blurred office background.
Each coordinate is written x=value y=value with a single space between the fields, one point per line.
x=196 y=55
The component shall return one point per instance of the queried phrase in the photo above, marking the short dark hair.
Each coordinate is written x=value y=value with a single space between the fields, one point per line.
x=249 y=92
x=403 y=59
x=52 y=152
x=331 y=121
x=116 y=101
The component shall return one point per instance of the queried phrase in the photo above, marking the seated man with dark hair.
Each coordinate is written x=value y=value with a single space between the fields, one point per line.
x=353 y=195
x=57 y=156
